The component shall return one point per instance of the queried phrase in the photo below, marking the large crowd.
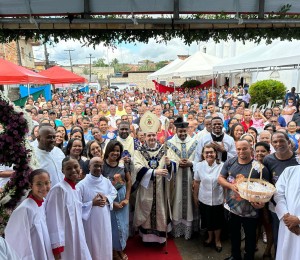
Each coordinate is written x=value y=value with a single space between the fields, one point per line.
x=114 y=164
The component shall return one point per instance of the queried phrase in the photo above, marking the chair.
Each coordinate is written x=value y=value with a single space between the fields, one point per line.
x=253 y=107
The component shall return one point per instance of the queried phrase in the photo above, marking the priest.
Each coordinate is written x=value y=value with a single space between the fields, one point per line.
x=97 y=195
x=182 y=150
x=288 y=212
x=153 y=183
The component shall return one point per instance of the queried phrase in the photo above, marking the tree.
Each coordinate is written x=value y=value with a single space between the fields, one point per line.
x=160 y=64
x=114 y=62
x=100 y=63
x=191 y=83
x=86 y=71
x=263 y=91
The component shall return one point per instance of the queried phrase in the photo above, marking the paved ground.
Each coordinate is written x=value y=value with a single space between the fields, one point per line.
x=193 y=249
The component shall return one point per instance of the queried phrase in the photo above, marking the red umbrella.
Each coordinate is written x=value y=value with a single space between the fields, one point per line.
x=58 y=75
x=11 y=73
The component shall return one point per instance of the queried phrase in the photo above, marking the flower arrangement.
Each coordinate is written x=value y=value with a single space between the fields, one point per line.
x=16 y=151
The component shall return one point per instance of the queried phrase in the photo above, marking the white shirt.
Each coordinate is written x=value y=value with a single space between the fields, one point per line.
x=210 y=191
x=113 y=120
x=52 y=163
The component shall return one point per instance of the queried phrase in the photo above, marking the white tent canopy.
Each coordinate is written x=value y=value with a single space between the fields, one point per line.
x=199 y=64
x=166 y=71
x=273 y=55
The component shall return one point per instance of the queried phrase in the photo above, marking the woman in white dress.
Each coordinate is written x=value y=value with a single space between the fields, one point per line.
x=26 y=231
x=208 y=194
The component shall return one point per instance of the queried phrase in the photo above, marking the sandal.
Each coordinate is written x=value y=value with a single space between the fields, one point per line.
x=122 y=255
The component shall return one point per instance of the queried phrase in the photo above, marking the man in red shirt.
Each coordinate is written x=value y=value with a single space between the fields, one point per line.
x=247 y=121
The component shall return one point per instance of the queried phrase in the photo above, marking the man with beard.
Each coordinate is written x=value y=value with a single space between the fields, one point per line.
x=241 y=212
x=126 y=140
x=182 y=150
x=48 y=155
x=152 y=177
x=222 y=142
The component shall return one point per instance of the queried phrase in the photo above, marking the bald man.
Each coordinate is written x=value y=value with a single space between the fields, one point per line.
x=48 y=155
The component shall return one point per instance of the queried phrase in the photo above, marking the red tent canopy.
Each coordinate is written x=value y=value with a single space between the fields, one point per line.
x=58 y=75
x=11 y=73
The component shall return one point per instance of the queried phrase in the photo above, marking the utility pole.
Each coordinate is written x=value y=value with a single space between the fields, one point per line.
x=47 y=63
x=70 y=58
x=90 y=66
x=18 y=53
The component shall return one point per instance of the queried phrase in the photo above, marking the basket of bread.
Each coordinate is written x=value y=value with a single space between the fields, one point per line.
x=253 y=189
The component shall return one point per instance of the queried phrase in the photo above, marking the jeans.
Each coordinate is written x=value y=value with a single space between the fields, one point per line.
x=249 y=225
x=275 y=228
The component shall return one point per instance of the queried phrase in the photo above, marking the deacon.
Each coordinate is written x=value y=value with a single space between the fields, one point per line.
x=288 y=212
x=97 y=195
x=153 y=182
x=182 y=150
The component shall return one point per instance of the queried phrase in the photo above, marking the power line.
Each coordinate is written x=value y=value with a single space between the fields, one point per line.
x=70 y=58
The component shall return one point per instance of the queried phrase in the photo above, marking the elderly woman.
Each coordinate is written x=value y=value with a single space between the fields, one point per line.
x=209 y=195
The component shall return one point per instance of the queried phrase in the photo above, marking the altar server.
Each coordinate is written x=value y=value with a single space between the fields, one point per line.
x=64 y=216
x=26 y=231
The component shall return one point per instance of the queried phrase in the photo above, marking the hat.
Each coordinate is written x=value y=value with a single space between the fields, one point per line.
x=180 y=124
x=149 y=123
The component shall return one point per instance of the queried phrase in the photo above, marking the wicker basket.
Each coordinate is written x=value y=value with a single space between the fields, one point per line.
x=255 y=196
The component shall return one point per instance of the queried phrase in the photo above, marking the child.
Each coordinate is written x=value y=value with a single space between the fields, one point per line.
x=64 y=216
x=258 y=121
x=26 y=231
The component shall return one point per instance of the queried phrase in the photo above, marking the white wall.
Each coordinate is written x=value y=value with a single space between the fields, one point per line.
x=287 y=77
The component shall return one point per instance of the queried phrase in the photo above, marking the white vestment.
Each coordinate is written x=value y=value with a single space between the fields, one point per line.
x=27 y=233
x=64 y=221
x=96 y=220
x=51 y=162
x=182 y=211
x=6 y=252
x=288 y=201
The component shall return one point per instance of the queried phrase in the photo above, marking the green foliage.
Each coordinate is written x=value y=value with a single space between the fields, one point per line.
x=86 y=71
x=263 y=91
x=160 y=64
x=191 y=83
x=100 y=63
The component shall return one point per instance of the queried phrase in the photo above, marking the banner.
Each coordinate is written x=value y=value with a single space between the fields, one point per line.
x=163 y=89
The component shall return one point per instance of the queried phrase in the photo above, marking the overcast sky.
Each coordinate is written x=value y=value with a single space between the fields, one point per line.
x=125 y=53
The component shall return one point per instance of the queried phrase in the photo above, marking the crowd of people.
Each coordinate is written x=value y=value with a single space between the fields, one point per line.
x=117 y=164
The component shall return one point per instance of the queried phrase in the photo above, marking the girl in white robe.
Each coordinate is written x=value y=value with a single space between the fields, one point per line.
x=26 y=231
x=96 y=214
x=64 y=216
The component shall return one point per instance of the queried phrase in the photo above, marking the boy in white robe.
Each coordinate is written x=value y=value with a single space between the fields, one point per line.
x=97 y=195
x=288 y=211
x=64 y=216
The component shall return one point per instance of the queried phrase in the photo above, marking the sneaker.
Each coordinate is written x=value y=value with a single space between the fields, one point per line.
x=265 y=237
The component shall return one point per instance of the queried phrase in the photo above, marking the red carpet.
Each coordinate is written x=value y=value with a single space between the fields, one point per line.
x=136 y=250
